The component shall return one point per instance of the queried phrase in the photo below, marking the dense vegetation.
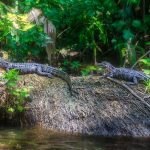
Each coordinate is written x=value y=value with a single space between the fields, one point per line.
x=87 y=32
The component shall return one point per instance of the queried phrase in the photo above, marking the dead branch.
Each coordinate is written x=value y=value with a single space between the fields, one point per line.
x=148 y=52
x=131 y=91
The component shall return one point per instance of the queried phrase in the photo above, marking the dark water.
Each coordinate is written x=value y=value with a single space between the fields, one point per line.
x=36 y=139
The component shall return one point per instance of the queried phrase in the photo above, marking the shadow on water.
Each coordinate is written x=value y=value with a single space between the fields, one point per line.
x=36 y=139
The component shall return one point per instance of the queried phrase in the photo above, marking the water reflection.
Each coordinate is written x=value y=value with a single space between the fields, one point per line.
x=36 y=139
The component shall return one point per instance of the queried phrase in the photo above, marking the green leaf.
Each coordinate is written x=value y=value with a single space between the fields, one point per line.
x=146 y=61
x=66 y=62
x=11 y=110
x=11 y=84
x=147 y=43
x=75 y=64
x=136 y=23
x=119 y=25
x=15 y=93
x=92 y=68
x=85 y=72
x=127 y=34
x=146 y=71
x=134 y=1
x=20 y=108
x=114 y=40
x=148 y=85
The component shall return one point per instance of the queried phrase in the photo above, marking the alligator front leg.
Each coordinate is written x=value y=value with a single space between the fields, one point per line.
x=40 y=72
x=108 y=75
x=7 y=69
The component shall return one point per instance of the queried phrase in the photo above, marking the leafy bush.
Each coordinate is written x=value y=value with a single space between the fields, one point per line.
x=89 y=69
x=17 y=96
x=69 y=66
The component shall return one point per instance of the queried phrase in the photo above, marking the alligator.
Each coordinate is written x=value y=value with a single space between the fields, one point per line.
x=126 y=74
x=39 y=69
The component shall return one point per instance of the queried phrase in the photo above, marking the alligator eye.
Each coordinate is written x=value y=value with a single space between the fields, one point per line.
x=105 y=70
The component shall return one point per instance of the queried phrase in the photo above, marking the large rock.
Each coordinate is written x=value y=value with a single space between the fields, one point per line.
x=98 y=107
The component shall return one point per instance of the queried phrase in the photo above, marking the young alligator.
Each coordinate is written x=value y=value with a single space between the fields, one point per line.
x=126 y=74
x=40 y=69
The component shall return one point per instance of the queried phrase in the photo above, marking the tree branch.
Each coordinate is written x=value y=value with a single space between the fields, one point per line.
x=148 y=52
x=130 y=90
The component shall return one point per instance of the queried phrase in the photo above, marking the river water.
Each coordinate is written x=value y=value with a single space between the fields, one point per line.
x=37 y=139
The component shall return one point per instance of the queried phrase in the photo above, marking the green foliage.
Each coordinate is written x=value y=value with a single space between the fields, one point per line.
x=145 y=61
x=127 y=34
x=25 y=44
x=22 y=39
x=89 y=69
x=69 y=66
x=136 y=23
x=148 y=86
x=5 y=24
x=146 y=70
x=75 y=65
x=17 y=96
x=97 y=29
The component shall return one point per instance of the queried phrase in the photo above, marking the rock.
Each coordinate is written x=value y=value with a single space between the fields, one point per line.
x=97 y=107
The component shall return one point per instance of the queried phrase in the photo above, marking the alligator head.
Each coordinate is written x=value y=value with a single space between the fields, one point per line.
x=106 y=65
x=3 y=63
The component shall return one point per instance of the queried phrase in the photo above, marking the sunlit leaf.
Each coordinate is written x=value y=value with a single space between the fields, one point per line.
x=146 y=71
x=145 y=61
x=127 y=34
x=11 y=110
x=136 y=23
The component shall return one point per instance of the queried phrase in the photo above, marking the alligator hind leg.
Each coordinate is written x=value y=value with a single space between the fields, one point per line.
x=39 y=72
x=135 y=81
x=130 y=83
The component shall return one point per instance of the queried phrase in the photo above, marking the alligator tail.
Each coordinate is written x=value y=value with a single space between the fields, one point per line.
x=63 y=75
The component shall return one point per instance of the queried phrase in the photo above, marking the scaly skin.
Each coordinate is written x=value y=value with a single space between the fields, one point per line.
x=40 y=69
x=130 y=75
